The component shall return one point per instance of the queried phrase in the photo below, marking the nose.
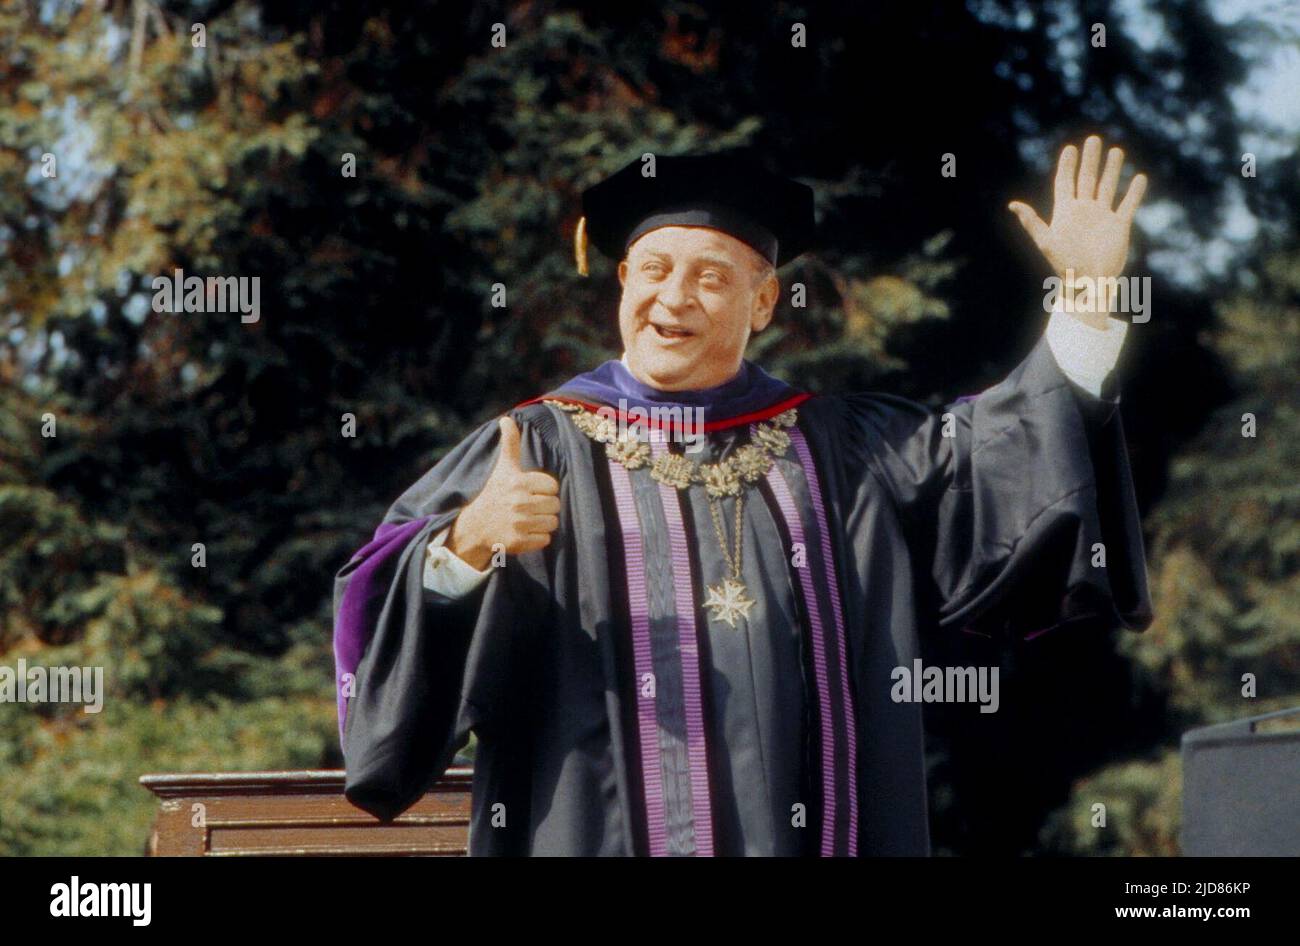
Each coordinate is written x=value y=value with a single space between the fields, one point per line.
x=674 y=293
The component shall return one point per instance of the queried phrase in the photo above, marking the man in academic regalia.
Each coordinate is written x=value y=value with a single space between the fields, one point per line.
x=669 y=596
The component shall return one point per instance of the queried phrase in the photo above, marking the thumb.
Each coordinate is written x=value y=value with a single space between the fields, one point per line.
x=510 y=436
x=1030 y=220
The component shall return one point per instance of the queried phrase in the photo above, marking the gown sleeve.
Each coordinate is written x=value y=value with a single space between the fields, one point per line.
x=1018 y=504
x=417 y=671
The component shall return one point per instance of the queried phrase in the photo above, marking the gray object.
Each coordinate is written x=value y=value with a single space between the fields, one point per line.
x=1241 y=790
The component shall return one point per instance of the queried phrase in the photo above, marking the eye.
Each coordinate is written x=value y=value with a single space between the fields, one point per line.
x=654 y=269
x=712 y=279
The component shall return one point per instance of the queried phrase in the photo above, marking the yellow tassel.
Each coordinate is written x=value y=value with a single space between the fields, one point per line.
x=580 y=246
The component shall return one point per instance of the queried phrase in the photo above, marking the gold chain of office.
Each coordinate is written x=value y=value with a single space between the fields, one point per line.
x=748 y=464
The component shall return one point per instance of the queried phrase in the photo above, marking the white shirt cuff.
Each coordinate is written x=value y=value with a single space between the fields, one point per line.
x=1085 y=354
x=447 y=574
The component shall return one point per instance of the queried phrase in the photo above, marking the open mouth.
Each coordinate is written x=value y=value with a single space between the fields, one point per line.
x=671 y=334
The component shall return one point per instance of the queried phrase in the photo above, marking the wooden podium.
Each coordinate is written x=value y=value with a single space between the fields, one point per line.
x=299 y=814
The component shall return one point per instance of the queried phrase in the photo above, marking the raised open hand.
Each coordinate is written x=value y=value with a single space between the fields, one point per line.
x=1086 y=237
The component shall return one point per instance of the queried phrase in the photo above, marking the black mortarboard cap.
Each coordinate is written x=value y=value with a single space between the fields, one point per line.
x=727 y=191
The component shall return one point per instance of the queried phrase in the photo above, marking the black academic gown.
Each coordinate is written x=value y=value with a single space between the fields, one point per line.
x=984 y=516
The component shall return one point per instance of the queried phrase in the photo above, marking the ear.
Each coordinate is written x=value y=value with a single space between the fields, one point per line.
x=622 y=273
x=765 y=303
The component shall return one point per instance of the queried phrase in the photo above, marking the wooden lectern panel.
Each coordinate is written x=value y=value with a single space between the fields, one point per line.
x=299 y=814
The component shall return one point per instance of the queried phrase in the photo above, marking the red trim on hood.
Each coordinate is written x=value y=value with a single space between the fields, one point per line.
x=709 y=427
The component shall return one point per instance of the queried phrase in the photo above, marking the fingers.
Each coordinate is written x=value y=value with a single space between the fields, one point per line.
x=1086 y=189
x=535 y=481
x=1129 y=205
x=1085 y=184
x=532 y=543
x=541 y=505
x=1030 y=220
x=533 y=525
x=1065 y=171
x=1110 y=178
x=510 y=437
x=532 y=533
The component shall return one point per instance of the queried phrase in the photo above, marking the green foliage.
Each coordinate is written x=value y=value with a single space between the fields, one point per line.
x=71 y=785
x=1142 y=811
x=1227 y=536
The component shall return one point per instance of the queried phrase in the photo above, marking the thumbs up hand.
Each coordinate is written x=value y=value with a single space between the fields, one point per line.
x=517 y=508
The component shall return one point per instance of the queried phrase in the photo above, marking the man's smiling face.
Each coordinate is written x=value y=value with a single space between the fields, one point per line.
x=691 y=298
